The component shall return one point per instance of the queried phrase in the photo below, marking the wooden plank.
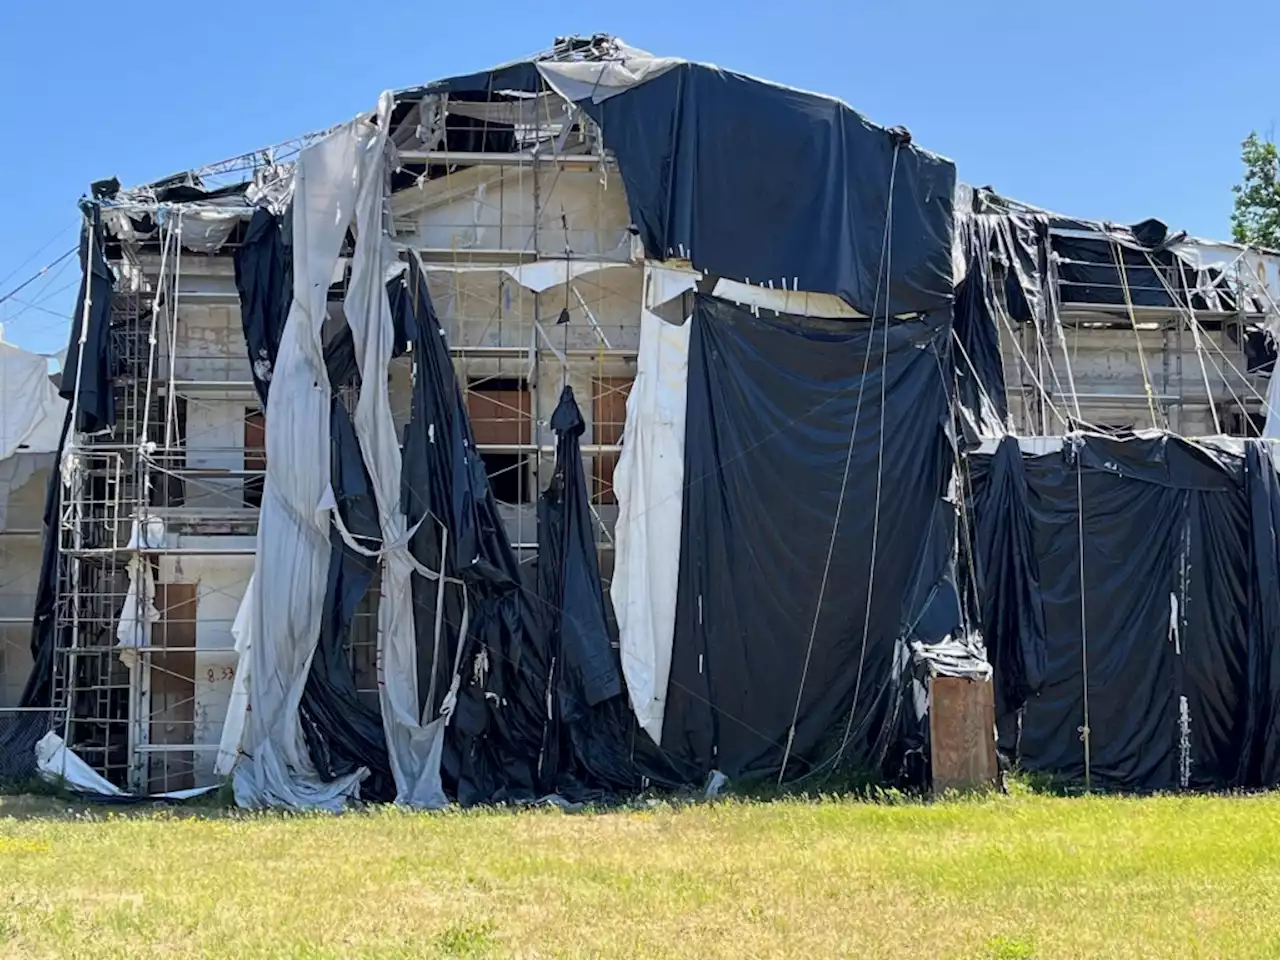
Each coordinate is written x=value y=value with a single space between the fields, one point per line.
x=500 y=416
x=962 y=734
x=608 y=416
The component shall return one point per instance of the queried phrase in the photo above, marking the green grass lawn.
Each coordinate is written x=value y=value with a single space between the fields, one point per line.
x=1005 y=877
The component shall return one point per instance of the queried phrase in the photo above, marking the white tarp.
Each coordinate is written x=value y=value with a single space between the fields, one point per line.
x=799 y=303
x=238 y=705
x=1271 y=430
x=62 y=767
x=293 y=528
x=649 y=483
x=598 y=80
x=414 y=745
x=31 y=412
x=542 y=275
x=206 y=229
x=1258 y=272
x=138 y=613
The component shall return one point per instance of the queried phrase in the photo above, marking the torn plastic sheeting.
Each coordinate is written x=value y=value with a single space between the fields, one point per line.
x=648 y=485
x=978 y=363
x=343 y=732
x=1019 y=246
x=952 y=657
x=711 y=161
x=133 y=627
x=598 y=80
x=293 y=531
x=1257 y=270
x=61 y=766
x=537 y=277
x=770 y=407
x=586 y=747
x=491 y=664
x=264 y=280
x=90 y=361
x=204 y=230
x=413 y=742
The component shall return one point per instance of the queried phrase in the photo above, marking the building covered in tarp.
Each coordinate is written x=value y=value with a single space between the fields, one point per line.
x=532 y=436
x=528 y=436
x=1124 y=574
x=1130 y=606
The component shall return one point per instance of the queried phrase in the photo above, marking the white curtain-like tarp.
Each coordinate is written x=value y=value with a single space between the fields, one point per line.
x=649 y=484
x=414 y=742
x=238 y=706
x=274 y=767
x=31 y=412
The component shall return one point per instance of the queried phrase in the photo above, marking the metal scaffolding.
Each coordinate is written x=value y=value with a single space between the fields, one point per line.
x=158 y=524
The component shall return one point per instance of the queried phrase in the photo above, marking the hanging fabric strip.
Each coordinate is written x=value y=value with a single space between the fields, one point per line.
x=293 y=531
x=648 y=482
x=414 y=745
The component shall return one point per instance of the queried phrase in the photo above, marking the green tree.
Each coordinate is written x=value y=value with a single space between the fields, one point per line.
x=1256 y=218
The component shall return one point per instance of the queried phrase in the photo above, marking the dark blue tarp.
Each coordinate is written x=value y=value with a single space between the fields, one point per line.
x=759 y=182
x=587 y=749
x=264 y=280
x=94 y=410
x=771 y=403
x=1152 y=578
x=493 y=742
x=88 y=370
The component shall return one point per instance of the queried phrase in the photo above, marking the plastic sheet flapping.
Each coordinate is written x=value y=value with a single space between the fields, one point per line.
x=496 y=730
x=264 y=280
x=1157 y=566
x=94 y=410
x=1012 y=251
x=751 y=181
x=343 y=733
x=90 y=367
x=771 y=403
x=590 y=723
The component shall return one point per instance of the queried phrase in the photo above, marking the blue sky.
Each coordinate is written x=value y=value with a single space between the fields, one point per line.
x=1113 y=109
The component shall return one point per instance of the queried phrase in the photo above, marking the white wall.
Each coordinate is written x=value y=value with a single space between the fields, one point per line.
x=1107 y=364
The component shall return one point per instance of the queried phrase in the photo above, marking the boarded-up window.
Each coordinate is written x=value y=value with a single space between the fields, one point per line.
x=501 y=416
x=609 y=414
x=255 y=455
